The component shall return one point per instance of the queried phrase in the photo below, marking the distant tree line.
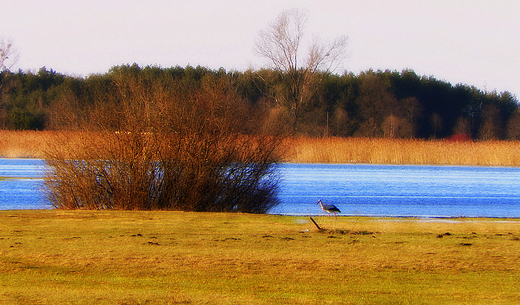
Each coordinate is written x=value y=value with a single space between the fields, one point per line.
x=389 y=104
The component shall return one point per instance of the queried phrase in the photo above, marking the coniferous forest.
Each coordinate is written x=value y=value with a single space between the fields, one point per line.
x=388 y=104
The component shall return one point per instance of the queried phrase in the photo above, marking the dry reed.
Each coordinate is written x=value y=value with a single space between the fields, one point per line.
x=394 y=151
x=34 y=144
x=23 y=144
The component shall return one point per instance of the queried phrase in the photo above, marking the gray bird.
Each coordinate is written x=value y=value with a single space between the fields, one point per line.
x=329 y=208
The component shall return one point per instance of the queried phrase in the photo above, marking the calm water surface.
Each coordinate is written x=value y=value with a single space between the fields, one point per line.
x=24 y=190
x=374 y=190
x=389 y=190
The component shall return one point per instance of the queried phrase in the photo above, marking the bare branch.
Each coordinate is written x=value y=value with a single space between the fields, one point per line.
x=296 y=84
x=280 y=42
x=326 y=57
x=7 y=54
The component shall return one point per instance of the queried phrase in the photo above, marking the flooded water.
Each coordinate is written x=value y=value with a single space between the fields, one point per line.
x=389 y=190
x=372 y=190
x=23 y=188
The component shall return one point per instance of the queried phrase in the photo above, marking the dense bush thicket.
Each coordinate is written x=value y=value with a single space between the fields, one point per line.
x=372 y=104
x=156 y=141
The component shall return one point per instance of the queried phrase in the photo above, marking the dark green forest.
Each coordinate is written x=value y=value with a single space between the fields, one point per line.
x=389 y=104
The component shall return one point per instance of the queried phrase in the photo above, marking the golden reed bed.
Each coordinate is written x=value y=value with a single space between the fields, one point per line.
x=34 y=144
x=397 y=151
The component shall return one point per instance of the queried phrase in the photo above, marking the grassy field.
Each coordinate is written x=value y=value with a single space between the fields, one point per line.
x=111 y=257
x=114 y=257
x=34 y=144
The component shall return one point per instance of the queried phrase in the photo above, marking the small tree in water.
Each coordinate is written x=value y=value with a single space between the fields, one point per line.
x=160 y=146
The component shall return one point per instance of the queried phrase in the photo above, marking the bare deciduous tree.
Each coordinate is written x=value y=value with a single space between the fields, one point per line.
x=513 y=126
x=462 y=127
x=8 y=54
x=489 y=129
x=280 y=42
x=410 y=109
x=296 y=80
x=436 y=121
x=376 y=102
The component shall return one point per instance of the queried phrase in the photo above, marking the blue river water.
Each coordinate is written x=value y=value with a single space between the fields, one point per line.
x=25 y=190
x=356 y=189
x=395 y=190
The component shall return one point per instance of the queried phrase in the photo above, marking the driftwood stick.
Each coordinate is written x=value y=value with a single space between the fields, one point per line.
x=316 y=224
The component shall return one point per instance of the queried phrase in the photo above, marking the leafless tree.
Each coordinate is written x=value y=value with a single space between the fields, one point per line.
x=462 y=127
x=280 y=42
x=436 y=121
x=489 y=129
x=8 y=54
x=296 y=81
x=410 y=110
x=376 y=102
x=513 y=126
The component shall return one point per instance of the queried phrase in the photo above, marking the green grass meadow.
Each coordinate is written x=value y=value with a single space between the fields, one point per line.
x=116 y=257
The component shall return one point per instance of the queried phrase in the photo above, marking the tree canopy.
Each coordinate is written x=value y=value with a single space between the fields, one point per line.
x=398 y=104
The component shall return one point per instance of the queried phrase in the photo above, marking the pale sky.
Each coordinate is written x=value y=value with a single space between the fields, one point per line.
x=475 y=42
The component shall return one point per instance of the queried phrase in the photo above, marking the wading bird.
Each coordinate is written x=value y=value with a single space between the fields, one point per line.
x=329 y=208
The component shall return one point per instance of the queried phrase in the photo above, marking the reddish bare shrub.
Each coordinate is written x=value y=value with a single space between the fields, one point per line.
x=159 y=147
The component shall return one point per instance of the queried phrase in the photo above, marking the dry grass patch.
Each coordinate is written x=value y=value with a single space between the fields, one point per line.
x=109 y=257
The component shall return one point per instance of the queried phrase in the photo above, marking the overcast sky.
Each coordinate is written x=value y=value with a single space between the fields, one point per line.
x=475 y=42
